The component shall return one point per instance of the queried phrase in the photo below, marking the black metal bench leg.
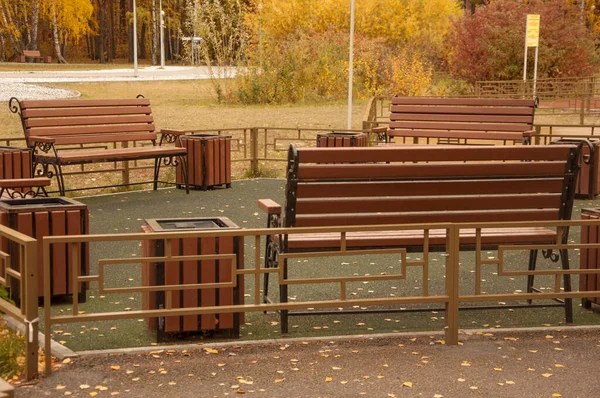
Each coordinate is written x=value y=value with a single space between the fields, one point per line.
x=156 y=172
x=283 y=298
x=532 y=261
x=564 y=257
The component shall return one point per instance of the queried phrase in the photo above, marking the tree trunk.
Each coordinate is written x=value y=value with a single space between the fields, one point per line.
x=130 y=31
x=55 y=39
x=100 y=39
x=7 y=21
x=112 y=31
x=35 y=19
x=155 y=35
x=2 y=49
x=142 y=43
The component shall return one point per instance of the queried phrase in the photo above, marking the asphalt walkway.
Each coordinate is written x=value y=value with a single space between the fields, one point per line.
x=544 y=363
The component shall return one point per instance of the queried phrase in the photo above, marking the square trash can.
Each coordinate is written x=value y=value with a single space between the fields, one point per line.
x=49 y=216
x=208 y=161
x=193 y=271
x=590 y=258
x=340 y=139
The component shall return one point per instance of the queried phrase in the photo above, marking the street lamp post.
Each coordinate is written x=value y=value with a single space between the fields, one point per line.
x=135 y=60
x=162 y=37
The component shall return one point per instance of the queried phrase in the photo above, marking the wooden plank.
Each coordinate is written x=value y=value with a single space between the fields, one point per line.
x=225 y=275
x=42 y=228
x=60 y=278
x=464 y=101
x=431 y=170
x=227 y=160
x=8 y=166
x=190 y=276
x=149 y=277
x=88 y=121
x=461 y=117
x=431 y=153
x=222 y=161
x=457 y=126
x=321 y=220
x=584 y=258
x=74 y=228
x=78 y=131
x=433 y=187
x=461 y=110
x=173 y=277
x=208 y=274
x=25 y=226
x=82 y=103
x=429 y=203
x=64 y=112
x=108 y=155
x=209 y=162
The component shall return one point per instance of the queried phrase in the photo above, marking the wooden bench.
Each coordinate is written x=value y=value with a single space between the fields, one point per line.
x=422 y=184
x=34 y=56
x=76 y=132
x=16 y=175
x=459 y=120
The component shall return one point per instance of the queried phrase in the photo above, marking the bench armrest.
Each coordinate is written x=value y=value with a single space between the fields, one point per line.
x=44 y=140
x=381 y=132
x=170 y=136
x=269 y=206
x=380 y=129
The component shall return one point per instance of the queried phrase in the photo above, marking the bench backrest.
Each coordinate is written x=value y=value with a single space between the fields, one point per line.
x=31 y=53
x=498 y=117
x=76 y=121
x=429 y=184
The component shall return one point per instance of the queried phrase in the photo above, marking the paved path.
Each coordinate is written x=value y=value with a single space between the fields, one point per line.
x=127 y=74
x=546 y=363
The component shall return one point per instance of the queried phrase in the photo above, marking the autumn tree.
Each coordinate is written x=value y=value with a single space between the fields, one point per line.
x=489 y=45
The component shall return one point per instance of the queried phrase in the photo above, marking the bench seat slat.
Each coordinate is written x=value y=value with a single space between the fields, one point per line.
x=345 y=219
x=88 y=121
x=75 y=112
x=426 y=203
x=414 y=238
x=102 y=155
x=106 y=138
x=430 y=153
x=415 y=188
x=431 y=170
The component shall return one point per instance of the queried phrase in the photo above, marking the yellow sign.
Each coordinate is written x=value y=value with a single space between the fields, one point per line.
x=532 y=37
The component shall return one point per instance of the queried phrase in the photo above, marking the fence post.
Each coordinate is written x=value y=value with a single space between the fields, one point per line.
x=30 y=297
x=452 y=288
x=254 y=150
x=582 y=110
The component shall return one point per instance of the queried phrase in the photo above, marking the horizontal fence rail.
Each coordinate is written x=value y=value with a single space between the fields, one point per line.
x=449 y=297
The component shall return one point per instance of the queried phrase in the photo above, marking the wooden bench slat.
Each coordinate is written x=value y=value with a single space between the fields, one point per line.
x=322 y=220
x=432 y=170
x=464 y=118
x=74 y=112
x=88 y=121
x=476 y=135
x=409 y=111
x=84 y=103
x=464 y=101
x=91 y=155
x=426 y=203
x=409 y=238
x=415 y=188
x=439 y=126
x=104 y=139
x=85 y=130
x=430 y=153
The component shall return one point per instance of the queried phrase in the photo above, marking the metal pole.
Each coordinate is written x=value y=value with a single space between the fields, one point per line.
x=162 y=36
x=351 y=64
x=135 y=61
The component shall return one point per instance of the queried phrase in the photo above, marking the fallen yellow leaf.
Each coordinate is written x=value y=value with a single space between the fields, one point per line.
x=408 y=384
x=115 y=367
x=328 y=379
x=93 y=394
x=546 y=375
x=84 y=386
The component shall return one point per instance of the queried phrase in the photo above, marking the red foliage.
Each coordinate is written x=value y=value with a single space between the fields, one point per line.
x=489 y=45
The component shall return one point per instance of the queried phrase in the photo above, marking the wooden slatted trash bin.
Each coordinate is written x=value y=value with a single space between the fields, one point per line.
x=49 y=216
x=192 y=272
x=208 y=161
x=590 y=258
x=588 y=179
x=337 y=139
